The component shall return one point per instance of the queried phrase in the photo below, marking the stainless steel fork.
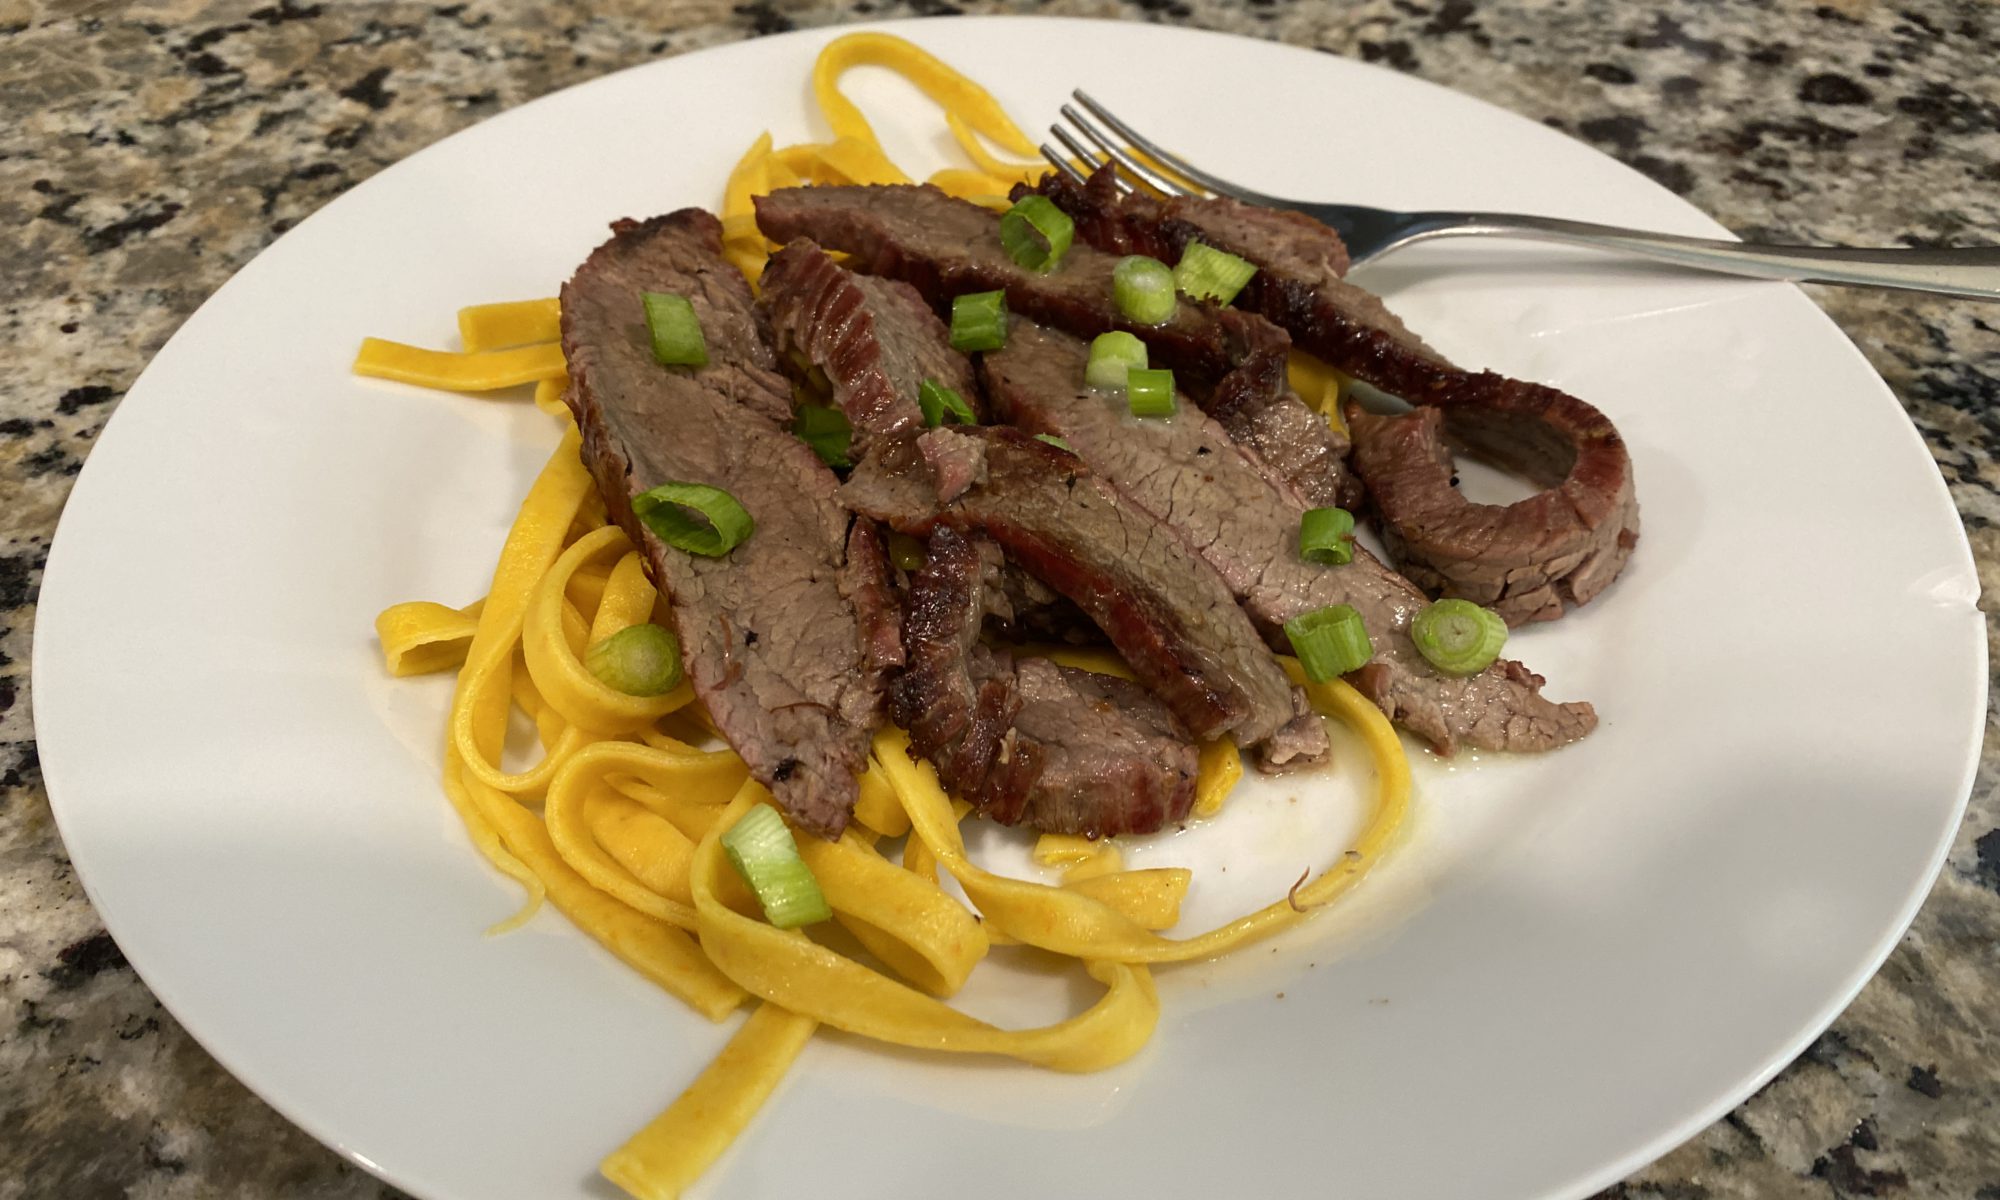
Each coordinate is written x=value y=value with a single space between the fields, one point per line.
x=1373 y=232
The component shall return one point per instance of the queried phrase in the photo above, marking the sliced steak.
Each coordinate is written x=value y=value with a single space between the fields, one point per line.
x=875 y=339
x=1527 y=560
x=946 y=247
x=784 y=636
x=1027 y=741
x=1185 y=471
x=1165 y=610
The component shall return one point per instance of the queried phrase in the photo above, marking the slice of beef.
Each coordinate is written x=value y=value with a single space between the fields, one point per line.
x=1027 y=741
x=1165 y=610
x=946 y=247
x=784 y=636
x=1185 y=470
x=1021 y=608
x=1528 y=560
x=875 y=340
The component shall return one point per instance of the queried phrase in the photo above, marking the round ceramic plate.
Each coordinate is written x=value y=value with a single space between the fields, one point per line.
x=1576 y=960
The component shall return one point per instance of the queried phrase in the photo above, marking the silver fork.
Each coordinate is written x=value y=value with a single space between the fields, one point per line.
x=1373 y=232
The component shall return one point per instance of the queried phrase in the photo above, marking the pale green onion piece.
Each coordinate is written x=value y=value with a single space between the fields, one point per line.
x=665 y=510
x=1326 y=535
x=676 y=330
x=906 y=552
x=827 y=431
x=1329 y=641
x=1458 y=636
x=1150 y=393
x=979 y=321
x=1144 y=289
x=1111 y=355
x=1206 y=273
x=1035 y=233
x=1055 y=441
x=938 y=402
x=638 y=660
x=761 y=849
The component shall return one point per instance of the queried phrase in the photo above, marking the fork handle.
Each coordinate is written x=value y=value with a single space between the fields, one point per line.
x=1971 y=273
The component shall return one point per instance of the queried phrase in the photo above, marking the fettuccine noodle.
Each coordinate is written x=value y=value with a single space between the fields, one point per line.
x=617 y=818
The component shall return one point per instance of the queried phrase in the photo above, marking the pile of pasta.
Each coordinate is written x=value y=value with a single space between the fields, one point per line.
x=617 y=823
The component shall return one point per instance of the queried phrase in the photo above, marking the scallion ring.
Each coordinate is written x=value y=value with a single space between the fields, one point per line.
x=938 y=402
x=1144 y=289
x=1326 y=535
x=979 y=321
x=1111 y=356
x=1206 y=273
x=676 y=330
x=1458 y=636
x=1035 y=233
x=666 y=511
x=761 y=849
x=827 y=431
x=1329 y=641
x=638 y=660
x=1150 y=393
x=1055 y=441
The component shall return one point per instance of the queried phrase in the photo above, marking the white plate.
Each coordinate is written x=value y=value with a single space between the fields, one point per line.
x=1579 y=960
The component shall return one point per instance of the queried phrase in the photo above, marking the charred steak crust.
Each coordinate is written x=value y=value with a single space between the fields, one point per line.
x=945 y=247
x=1163 y=608
x=783 y=637
x=1027 y=741
x=875 y=339
x=1528 y=560
x=1185 y=471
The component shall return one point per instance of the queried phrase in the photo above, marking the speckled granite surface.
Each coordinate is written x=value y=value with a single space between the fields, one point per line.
x=149 y=150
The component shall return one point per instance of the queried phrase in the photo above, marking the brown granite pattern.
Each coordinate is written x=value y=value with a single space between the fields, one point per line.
x=148 y=150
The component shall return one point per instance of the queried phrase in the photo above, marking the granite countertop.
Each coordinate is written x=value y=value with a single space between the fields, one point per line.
x=148 y=151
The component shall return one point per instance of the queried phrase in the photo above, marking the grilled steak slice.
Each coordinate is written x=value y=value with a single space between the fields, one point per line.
x=946 y=247
x=875 y=339
x=1527 y=560
x=783 y=637
x=1184 y=470
x=1163 y=608
x=1027 y=741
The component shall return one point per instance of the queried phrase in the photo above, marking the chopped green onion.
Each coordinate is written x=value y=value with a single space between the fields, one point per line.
x=676 y=330
x=761 y=849
x=1144 y=289
x=1329 y=641
x=1055 y=441
x=1150 y=393
x=1206 y=273
x=827 y=431
x=1326 y=535
x=1036 y=233
x=939 y=401
x=906 y=552
x=1458 y=636
x=638 y=660
x=979 y=321
x=1111 y=355
x=664 y=510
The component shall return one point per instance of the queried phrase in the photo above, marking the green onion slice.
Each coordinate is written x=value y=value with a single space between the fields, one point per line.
x=979 y=321
x=827 y=431
x=1326 y=535
x=761 y=849
x=1111 y=356
x=1036 y=233
x=1150 y=393
x=1144 y=289
x=677 y=340
x=1329 y=641
x=639 y=660
x=906 y=552
x=666 y=511
x=939 y=401
x=1458 y=636
x=1206 y=273
x=1055 y=441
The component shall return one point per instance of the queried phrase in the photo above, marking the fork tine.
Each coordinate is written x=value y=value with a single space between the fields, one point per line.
x=1089 y=160
x=1062 y=164
x=1167 y=158
x=1139 y=170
